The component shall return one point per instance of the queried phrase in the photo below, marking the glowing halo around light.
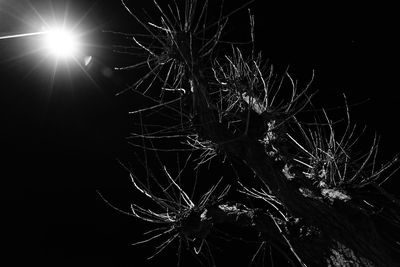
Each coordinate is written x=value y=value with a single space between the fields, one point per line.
x=61 y=43
x=56 y=41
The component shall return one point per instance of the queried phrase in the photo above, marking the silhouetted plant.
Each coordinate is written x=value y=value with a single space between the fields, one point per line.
x=301 y=186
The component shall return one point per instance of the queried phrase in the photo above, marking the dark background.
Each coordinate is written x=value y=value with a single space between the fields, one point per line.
x=60 y=140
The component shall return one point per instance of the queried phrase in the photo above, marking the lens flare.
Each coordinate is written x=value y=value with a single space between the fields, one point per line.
x=52 y=37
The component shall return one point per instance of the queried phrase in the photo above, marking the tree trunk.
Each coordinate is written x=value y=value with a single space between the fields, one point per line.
x=321 y=216
x=328 y=231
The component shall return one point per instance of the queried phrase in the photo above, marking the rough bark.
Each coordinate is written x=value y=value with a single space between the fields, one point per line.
x=326 y=226
x=342 y=234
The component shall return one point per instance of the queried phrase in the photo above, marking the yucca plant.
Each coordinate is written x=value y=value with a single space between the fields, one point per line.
x=300 y=185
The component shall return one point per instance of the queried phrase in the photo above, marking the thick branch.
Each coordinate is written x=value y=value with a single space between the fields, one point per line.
x=349 y=227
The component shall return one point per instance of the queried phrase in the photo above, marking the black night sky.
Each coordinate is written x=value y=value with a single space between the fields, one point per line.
x=60 y=140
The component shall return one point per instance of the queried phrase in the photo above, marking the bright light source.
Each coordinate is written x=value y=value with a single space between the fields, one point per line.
x=61 y=43
x=55 y=38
